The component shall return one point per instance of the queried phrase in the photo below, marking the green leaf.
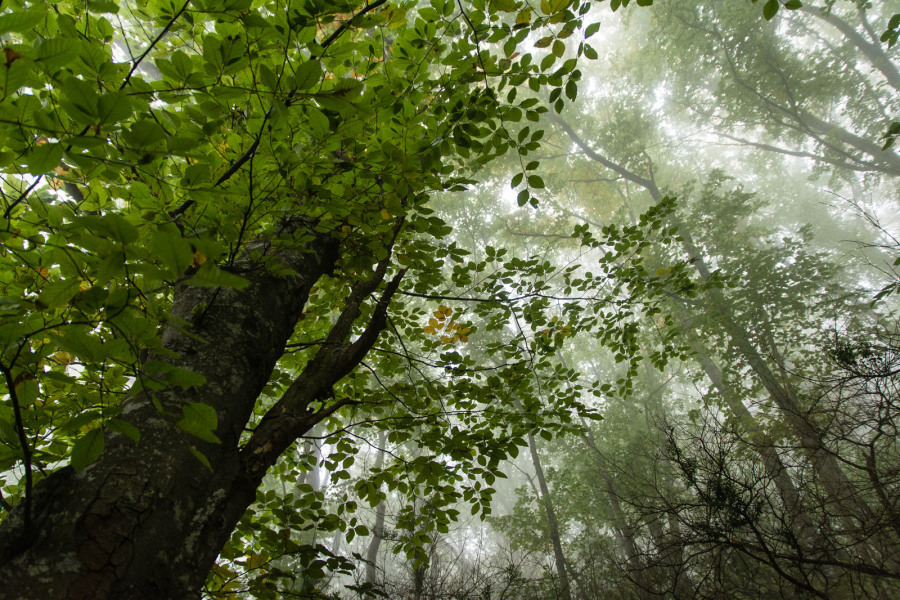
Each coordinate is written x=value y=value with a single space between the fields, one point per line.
x=145 y=135
x=210 y=275
x=44 y=158
x=770 y=9
x=200 y=421
x=112 y=225
x=55 y=53
x=201 y=457
x=87 y=449
x=124 y=428
x=173 y=251
x=79 y=99
x=308 y=75
x=196 y=175
x=113 y=108
x=505 y=5
x=58 y=293
x=78 y=340
x=184 y=377
x=103 y=6
x=110 y=267
x=21 y=20
x=559 y=48
x=318 y=122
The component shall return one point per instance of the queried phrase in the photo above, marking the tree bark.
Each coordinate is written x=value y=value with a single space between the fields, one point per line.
x=560 y=558
x=624 y=531
x=147 y=519
x=378 y=528
x=804 y=531
x=873 y=52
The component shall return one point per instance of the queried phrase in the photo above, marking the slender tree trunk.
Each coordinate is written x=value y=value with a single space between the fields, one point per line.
x=312 y=477
x=842 y=494
x=804 y=531
x=420 y=568
x=553 y=524
x=378 y=529
x=624 y=531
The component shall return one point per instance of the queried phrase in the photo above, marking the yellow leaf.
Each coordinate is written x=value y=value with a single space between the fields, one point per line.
x=429 y=329
x=439 y=315
x=257 y=560
x=199 y=259
x=385 y=214
x=63 y=358
x=464 y=338
x=345 y=228
x=433 y=322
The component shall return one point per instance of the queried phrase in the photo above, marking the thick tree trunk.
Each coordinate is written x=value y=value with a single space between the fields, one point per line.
x=147 y=520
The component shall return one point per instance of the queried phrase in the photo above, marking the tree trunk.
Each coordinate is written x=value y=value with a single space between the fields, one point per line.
x=849 y=505
x=804 y=531
x=147 y=519
x=560 y=558
x=378 y=529
x=873 y=52
x=622 y=528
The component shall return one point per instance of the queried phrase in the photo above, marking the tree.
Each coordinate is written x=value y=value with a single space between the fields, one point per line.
x=211 y=213
x=774 y=464
x=752 y=82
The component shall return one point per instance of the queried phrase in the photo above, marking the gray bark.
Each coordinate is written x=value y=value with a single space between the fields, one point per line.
x=560 y=558
x=874 y=52
x=378 y=529
x=147 y=520
x=625 y=533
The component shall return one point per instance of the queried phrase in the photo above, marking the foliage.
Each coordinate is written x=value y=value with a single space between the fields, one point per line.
x=153 y=148
x=157 y=149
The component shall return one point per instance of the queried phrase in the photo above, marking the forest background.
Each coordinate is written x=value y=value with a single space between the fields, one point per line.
x=287 y=286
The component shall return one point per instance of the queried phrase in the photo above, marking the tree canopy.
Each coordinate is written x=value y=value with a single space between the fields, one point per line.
x=221 y=249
